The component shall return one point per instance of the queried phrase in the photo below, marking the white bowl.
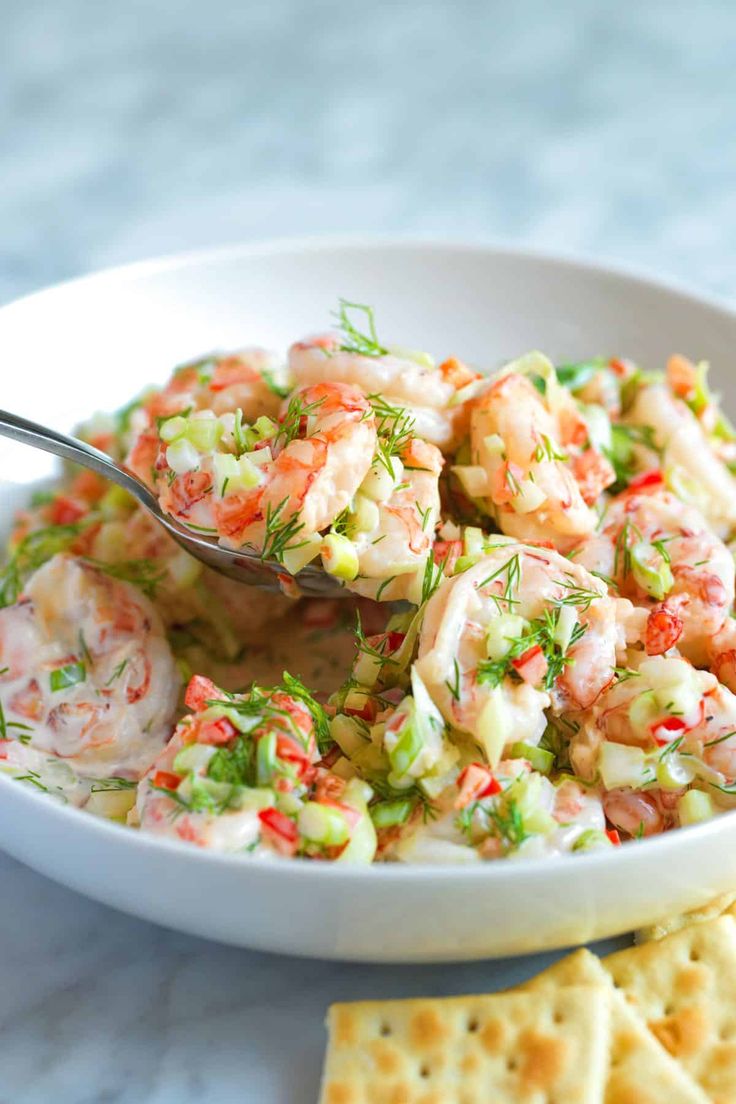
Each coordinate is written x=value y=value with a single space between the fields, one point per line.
x=92 y=343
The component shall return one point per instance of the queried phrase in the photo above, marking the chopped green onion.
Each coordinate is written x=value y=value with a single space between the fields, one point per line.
x=339 y=557
x=651 y=570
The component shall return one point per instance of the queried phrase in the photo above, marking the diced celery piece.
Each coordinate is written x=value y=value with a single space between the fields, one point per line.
x=260 y=458
x=502 y=632
x=227 y=472
x=346 y=732
x=253 y=797
x=322 y=824
x=193 y=757
x=643 y=710
x=529 y=497
x=473 y=479
x=266 y=760
x=112 y=804
x=539 y=758
x=599 y=427
x=591 y=840
x=408 y=746
x=567 y=619
x=250 y=476
x=621 y=765
x=528 y=793
x=389 y=814
x=694 y=807
x=361 y=847
x=494 y=726
x=306 y=549
x=182 y=456
x=204 y=432
x=494 y=444
x=365 y=516
x=473 y=541
x=172 y=429
x=265 y=427
x=379 y=483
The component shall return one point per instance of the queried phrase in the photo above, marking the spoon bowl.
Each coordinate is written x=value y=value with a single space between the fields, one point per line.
x=243 y=566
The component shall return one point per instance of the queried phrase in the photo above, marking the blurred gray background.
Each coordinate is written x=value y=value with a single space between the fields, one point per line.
x=142 y=127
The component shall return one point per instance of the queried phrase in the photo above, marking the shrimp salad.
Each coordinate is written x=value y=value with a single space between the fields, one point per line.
x=536 y=648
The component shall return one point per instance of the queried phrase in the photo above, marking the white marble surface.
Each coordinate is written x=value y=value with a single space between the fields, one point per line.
x=131 y=129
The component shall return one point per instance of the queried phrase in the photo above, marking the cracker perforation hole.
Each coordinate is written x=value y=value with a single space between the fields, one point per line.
x=385 y=1030
x=558 y=1017
x=668 y=1009
x=424 y=1071
x=473 y=1026
x=694 y=955
x=512 y=1064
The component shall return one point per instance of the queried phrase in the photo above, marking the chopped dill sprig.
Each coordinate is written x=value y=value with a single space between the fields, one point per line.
x=364 y=341
x=280 y=535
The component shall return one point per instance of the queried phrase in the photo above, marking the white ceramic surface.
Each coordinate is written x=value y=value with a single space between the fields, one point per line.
x=91 y=343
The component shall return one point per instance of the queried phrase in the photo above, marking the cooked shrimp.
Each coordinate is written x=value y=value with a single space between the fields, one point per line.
x=301 y=478
x=87 y=673
x=521 y=630
x=686 y=448
x=662 y=554
x=428 y=393
x=682 y=720
x=401 y=529
x=530 y=484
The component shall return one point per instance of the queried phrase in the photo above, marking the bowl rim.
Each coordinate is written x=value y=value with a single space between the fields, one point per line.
x=657 y=848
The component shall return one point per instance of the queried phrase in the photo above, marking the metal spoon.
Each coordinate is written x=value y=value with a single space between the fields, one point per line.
x=246 y=567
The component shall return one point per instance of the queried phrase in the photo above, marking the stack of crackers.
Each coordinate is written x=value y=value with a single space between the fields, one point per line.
x=653 y=1024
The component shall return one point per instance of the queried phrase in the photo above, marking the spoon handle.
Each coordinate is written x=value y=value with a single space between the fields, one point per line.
x=69 y=448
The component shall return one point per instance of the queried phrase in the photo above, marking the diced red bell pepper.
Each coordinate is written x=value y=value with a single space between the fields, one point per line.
x=367 y=712
x=199 y=691
x=648 y=480
x=614 y=837
x=664 y=732
x=221 y=731
x=474 y=782
x=531 y=666
x=166 y=780
x=280 y=831
x=65 y=511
